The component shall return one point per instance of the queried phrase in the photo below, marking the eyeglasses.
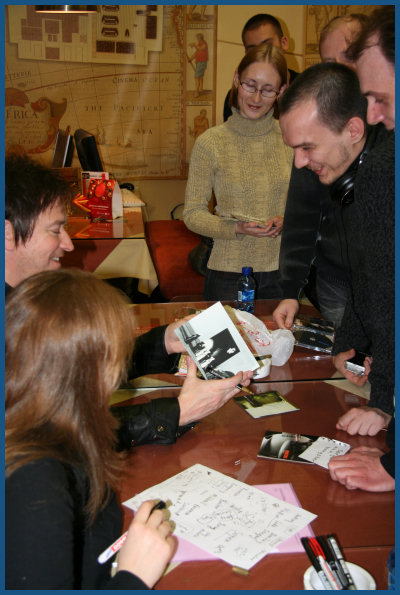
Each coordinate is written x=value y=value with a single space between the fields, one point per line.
x=265 y=91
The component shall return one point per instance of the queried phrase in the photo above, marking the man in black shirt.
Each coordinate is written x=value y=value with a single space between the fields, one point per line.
x=323 y=118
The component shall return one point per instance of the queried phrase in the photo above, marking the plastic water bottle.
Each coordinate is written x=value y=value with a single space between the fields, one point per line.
x=246 y=290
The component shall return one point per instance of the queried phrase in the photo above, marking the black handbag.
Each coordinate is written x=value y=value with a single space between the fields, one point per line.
x=199 y=255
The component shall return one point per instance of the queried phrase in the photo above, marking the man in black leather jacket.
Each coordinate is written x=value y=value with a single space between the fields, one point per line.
x=35 y=240
x=163 y=420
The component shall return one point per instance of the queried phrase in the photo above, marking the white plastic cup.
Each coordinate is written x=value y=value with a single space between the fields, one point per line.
x=362 y=579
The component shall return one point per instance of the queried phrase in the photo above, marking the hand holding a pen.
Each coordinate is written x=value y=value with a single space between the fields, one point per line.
x=149 y=545
x=198 y=398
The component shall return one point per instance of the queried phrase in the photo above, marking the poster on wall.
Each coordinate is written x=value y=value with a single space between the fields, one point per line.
x=140 y=78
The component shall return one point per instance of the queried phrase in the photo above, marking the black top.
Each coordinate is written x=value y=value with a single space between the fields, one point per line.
x=309 y=235
x=48 y=543
x=351 y=245
x=313 y=230
x=368 y=322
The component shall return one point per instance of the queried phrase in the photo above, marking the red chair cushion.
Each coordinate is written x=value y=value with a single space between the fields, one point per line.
x=169 y=244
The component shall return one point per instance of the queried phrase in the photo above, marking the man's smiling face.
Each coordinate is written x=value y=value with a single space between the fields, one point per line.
x=316 y=147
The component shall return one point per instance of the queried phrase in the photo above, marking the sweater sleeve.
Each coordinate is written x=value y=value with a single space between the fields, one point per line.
x=388 y=459
x=374 y=308
x=300 y=232
x=199 y=189
x=351 y=333
x=377 y=210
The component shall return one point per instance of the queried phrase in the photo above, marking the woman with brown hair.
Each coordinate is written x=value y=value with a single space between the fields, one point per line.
x=68 y=341
x=247 y=165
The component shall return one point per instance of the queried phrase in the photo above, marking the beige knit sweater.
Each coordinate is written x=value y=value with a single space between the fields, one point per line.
x=248 y=166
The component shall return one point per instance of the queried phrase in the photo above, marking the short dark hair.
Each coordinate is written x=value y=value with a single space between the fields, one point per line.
x=262 y=19
x=336 y=90
x=31 y=188
x=380 y=25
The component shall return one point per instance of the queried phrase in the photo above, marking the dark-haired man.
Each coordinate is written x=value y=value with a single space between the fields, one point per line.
x=373 y=53
x=261 y=28
x=35 y=218
x=323 y=118
x=35 y=240
x=374 y=56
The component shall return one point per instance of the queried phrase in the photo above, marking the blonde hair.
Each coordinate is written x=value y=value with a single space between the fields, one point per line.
x=267 y=53
x=68 y=340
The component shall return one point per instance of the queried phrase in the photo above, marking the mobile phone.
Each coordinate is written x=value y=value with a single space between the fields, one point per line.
x=356 y=363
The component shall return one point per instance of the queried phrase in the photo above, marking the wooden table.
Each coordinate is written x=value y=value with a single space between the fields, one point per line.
x=229 y=440
x=112 y=249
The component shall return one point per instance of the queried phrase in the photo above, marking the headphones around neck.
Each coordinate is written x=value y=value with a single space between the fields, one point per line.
x=342 y=190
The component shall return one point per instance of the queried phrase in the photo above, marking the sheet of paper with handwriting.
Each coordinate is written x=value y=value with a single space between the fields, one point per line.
x=230 y=519
x=323 y=449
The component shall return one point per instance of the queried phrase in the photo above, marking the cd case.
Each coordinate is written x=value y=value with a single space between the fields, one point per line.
x=314 y=333
x=300 y=448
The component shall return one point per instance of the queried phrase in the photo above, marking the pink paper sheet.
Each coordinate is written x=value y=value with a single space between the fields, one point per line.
x=187 y=551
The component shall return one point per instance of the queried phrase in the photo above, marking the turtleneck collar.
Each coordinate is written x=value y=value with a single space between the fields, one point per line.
x=249 y=127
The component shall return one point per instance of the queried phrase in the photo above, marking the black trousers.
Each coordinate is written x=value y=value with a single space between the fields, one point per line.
x=222 y=285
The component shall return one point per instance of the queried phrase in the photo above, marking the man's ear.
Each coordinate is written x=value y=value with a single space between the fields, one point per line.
x=284 y=43
x=9 y=233
x=356 y=129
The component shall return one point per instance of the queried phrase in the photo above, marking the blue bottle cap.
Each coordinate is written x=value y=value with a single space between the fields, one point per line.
x=246 y=270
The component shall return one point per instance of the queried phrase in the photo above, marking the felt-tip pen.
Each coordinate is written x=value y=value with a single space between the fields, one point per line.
x=342 y=562
x=333 y=562
x=116 y=546
x=314 y=561
x=316 y=547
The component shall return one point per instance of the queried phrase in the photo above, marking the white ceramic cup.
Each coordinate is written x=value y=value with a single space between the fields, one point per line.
x=362 y=579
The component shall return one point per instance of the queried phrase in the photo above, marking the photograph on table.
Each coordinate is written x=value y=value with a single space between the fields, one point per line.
x=263 y=404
